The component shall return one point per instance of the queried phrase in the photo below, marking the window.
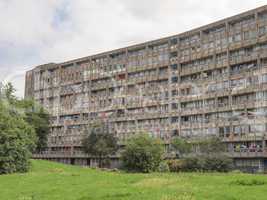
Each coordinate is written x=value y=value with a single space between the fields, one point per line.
x=230 y=40
x=262 y=30
x=264 y=78
x=185 y=52
x=173 y=41
x=174 y=92
x=174 y=67
x=253 y=34
x=237 y=37
x=174 y=106
x=246 y=35
x=174 y=79
x=263 y=16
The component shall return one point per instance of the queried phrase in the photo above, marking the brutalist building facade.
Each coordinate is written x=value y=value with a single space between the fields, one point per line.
x=210 y=81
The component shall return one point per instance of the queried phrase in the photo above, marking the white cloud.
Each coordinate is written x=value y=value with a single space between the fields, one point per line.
x=34 y=32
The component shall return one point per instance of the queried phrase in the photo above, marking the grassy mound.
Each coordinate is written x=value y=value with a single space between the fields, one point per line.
x=53 y=181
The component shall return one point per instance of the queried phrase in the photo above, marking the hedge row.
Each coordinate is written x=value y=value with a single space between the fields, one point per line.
x=218 y=163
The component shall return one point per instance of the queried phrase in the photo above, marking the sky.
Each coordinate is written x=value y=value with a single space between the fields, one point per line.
x=34 y=32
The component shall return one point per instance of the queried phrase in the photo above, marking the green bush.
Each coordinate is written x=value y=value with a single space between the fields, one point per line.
x=17 y=139
x=183 y=165
x=142 y=154
x=236 y=171
x=176 y=165
x=217 y=163
x=193 y=164
x=163 y=167
x=181 y=146
x=253 y=182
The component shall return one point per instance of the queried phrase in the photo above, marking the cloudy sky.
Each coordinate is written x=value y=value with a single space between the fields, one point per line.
x=34 y=32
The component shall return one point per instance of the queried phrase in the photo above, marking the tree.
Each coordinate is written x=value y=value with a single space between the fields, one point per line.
x=20 y=122
x=37 y=117
x=208 y=155
x=142 y=153
x=99 y=142
x=7 y=91
x=181 y=146
x=17 y=141
x=211 y=146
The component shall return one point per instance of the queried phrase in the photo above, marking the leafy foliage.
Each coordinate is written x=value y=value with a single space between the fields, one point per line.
x=7 y=92
x=17 y=141
x=163 y=167
x=202 y=155
x=181 y=146
x=202 y=163
x=248 y=182
x=23 y=127
x=142 y=154
x=39 y=119
x=99 y=142
x=212 y=145
x=219 y=163
x=176 y=165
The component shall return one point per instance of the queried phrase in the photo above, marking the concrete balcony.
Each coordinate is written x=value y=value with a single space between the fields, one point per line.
x=222 y=64
x=192 y=111
x=242 y=59
x=57 y=154
x=195 y=69
x=235 y=45
x=262 y=38
x=248 y=154
x=173 y=48
x=70 y=111
x=247 y=138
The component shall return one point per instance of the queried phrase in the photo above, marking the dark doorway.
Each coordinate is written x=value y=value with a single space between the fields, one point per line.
x=88 y=162
x=72 y=161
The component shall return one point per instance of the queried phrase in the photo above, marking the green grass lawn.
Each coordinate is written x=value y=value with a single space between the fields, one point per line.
x=54 y=181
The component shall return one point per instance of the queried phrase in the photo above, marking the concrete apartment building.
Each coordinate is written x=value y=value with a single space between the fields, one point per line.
x=208 y=81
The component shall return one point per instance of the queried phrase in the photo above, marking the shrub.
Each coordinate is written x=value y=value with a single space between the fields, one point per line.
x=189 y=164
x=142 y=154
x=176 y=165
x=181 y=146
x=217 y=163
x=253 y=182
x=17 y=139
x=236 y=171
x=212 y=145
x=210 y=155
x=163 y=167
x=193 y=164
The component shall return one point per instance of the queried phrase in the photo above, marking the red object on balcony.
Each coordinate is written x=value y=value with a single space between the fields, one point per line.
x=121 y=76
